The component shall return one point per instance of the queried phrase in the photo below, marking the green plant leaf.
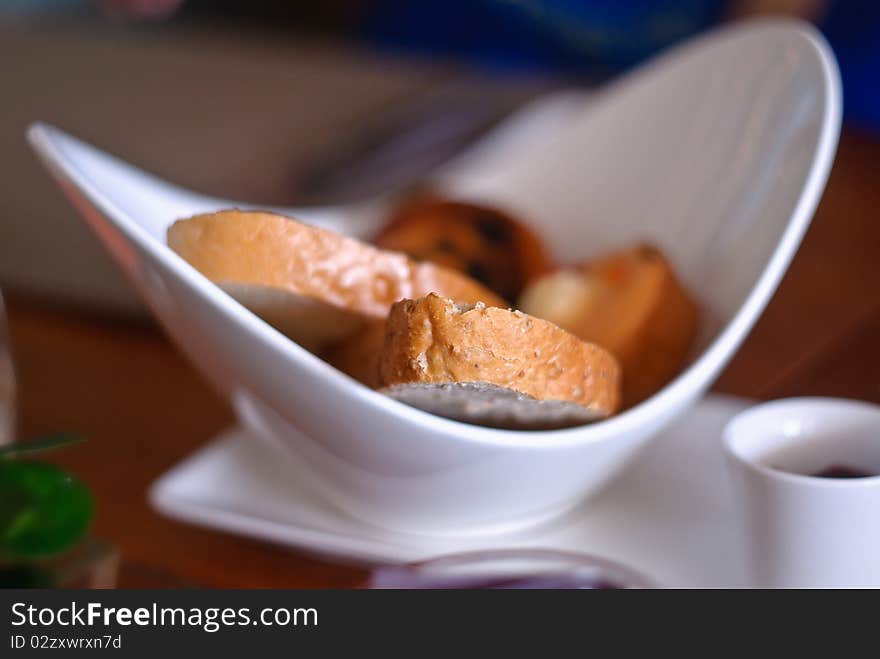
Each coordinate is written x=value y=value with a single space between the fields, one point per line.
x=39 y=445
x=43 y=509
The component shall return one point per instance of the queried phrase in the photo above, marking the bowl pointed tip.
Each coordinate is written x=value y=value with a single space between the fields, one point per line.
x=38 y=132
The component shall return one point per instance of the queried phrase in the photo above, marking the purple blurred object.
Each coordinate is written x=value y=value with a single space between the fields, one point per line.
x=511 y=569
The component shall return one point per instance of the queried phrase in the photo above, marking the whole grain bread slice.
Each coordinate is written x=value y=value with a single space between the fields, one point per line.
x=316 y=286
x=494 y=366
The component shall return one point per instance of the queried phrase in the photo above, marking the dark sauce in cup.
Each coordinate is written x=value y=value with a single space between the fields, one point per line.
x=842 y=471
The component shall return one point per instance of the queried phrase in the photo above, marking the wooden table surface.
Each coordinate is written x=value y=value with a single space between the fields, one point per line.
x=143 y=408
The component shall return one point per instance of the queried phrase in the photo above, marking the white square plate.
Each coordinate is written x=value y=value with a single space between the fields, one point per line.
x=668 y=516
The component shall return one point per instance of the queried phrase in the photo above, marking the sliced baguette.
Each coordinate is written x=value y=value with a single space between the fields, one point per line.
x=316 y=286
x=494 y=366
x=630 y=303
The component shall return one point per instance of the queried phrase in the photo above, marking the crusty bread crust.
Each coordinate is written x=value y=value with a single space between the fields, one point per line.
x=251 y=254
x=629 y=302
x=434 y=341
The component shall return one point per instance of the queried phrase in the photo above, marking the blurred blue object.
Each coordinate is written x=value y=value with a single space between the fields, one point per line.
x=853 y=29
x=595 y=38
x=581 y=37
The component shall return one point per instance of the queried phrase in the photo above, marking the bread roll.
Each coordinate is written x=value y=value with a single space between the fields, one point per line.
x=483 y=242
x=630 y=303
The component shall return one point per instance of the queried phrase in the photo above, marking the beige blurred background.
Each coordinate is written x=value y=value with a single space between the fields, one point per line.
x=238 y=114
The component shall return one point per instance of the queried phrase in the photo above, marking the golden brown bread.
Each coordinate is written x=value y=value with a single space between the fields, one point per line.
x=494 y=366
x=485 y=243
x=630 y=303
x=315 y=285
x=358 y=355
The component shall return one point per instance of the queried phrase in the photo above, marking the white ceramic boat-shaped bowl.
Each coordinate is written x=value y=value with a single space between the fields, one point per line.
x=717 y=151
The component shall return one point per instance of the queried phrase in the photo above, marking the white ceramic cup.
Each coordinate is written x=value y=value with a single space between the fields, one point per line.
x=803 y=530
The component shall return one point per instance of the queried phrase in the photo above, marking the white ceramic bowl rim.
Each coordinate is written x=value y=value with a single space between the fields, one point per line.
x=703 y=368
